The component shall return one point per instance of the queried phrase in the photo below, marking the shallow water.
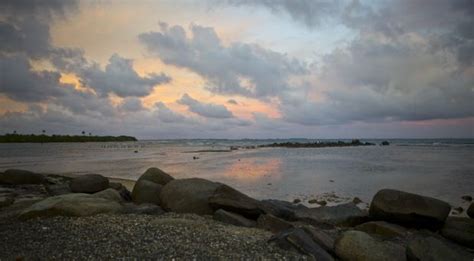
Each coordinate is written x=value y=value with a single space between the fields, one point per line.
x=440 y=168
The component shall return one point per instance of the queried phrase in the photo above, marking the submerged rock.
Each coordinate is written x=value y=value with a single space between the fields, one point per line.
x=470 y=210
x=298 y=240
x=230 y=199
x=382 y=228
x=357 y=245
x=274 y=224
x=21 y=177
x=467 y=197
x=188 y=196
x=146 y=191
x=429 y=247
x=89 y=183
x=75 y=204
x=409 y=209
x=341 y=215
x=157 y=176
x=460 y=230
x=233 y=219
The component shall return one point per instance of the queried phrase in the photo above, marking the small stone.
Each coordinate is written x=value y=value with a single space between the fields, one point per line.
x=467 y=198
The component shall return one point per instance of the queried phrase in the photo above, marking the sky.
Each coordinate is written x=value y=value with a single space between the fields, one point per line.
x=238 y=68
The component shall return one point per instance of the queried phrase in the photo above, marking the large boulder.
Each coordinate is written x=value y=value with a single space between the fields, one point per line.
x=274 y=224
x=297 y=239
x=146 y=191
x=89 y=183
x=460 y=230
x=470 y=210
x=233 y=219
x=433 y=248
x=188 y=196
x=227 y=198
x=75 y=204
x=357 y=245
x=409 y=209
x=382 y=228
x=157 y=176
x=341 y=215
x=142 y=209
x=279 y=208
x=21 y=177
x=109 y=194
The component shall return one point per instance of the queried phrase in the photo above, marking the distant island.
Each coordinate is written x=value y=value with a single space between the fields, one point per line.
x=321 y=144
x=32 y=138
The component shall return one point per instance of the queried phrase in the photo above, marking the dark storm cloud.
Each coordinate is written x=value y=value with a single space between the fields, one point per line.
x=132 y=104
x=208 y=110
x=243 y=69
x=309 y=12
x=120 y=78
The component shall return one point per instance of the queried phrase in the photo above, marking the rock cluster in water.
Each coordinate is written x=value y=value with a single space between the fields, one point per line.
x=398 y=225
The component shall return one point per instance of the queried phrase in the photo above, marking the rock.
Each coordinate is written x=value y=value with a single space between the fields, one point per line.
x=142 y=209
x=6 y=201
x=433 y=249
x=385 y=143
x=467 y=198
x=460 y=230
x=322 y=238
x=227 y=198
x=470 y=210
x=458 y=210
x=356 y=200
x=271 y=223
x=279 y=208
x=297 y=239
x=146 y=191
x=382 y=228
x=233 y=219
x=312 y=201
x=123 y=191
x=21 y=177
x=58 y=189
x=188 y=196
x=296 y=201
x=357 y=245
x=89 y=183
x=157 y=176
x=341 y=215
x=75 y=204
x=408 y=209
x=110 y=194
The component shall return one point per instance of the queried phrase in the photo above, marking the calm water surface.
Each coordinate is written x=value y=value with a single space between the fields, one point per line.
x=440 y=168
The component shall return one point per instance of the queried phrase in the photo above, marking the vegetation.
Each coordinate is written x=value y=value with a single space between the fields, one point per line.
x=318 y=144
x=23 y=138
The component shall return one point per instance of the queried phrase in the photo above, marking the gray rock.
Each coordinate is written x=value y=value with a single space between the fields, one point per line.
x=279 y=208
x=274 y=224
x=123 y=191
x=341 y=215
x=298 y=240
x=357 y=245
x=431 y=248
x=409 y=209
x=233 y=219
x=227 y=198
x=467 y=197
x=58 y=189
x=6 y=201
x=470 y=210
x=89 y=183
x=142 y=209
x=322 y=237
x=75 y=204
x=188 y=196
x=382 y=228
x=157 y=176
x=146 y=191
x=21 y=177
x=460 y=230
x=110 y=194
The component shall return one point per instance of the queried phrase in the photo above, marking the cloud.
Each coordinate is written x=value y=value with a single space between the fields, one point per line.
x=167 y=115
x=232 y=101
x=119 y=78
x=208 y=110
x=132 y=104
x=243 y=69
x=308 y=12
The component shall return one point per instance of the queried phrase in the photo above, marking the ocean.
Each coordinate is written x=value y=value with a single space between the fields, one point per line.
x=441 y=168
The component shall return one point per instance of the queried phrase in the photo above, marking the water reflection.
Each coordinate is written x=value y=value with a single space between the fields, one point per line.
x=254 y=169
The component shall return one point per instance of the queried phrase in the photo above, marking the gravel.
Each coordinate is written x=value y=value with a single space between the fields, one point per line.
x=168 y=236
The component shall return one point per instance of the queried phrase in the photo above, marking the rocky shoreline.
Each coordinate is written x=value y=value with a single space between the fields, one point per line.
x=89 y=217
